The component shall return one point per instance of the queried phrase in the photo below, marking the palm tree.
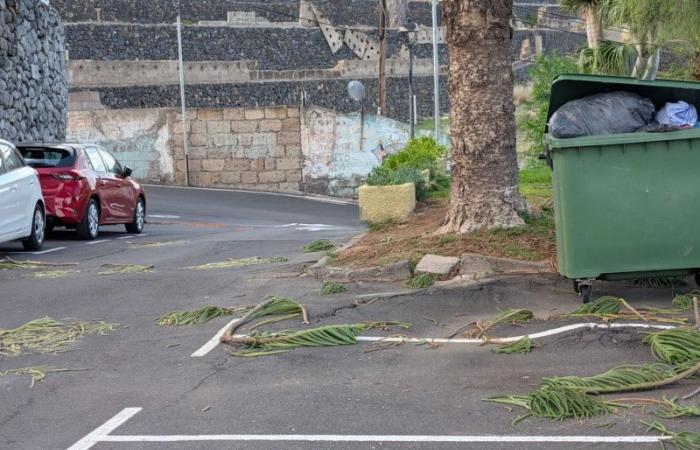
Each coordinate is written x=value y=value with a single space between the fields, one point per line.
x=645 y=20
x=589 y=10
x=484 y=191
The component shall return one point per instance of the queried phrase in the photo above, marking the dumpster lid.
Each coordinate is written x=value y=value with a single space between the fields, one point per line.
x=569 y=87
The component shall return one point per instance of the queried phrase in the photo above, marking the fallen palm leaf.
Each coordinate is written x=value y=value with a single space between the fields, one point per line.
x=272 y=305
x=393 y=341
x=661 y=282
x=684 y=302
x=54 y=273
x=37 y=373
x=319 y=245
x=274 y=320
x=331 y=287
x=11 y=264
x=198 y=316
x=122 y=269
x=683 y=440
x=421 y=281
x=558 y=403
x=268 y=343
x=616 y=378
x=47 y=335
x=523 y=346
x=506 y=316
x=603 y=305
x=672 y=409
x=675 y=346
x=243 y=262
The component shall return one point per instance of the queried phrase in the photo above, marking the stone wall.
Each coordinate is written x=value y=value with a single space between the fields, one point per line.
x=33 y=82
x=331 y=94
x=250 y=148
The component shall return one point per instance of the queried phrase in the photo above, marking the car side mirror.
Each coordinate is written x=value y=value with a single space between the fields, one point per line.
x=126 y=171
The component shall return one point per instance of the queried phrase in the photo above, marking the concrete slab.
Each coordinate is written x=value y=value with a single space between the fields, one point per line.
x=479 y=267
x=440 y=266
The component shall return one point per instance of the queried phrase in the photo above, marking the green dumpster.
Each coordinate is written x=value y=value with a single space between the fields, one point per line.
x=626 y=206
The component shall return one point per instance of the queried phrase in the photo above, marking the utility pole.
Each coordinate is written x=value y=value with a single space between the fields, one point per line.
x=182 y=101
x=436 y=73
x=381 y=101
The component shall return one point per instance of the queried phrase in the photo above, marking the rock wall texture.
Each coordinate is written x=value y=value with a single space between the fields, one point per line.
x=331 y=94
x=33 y=80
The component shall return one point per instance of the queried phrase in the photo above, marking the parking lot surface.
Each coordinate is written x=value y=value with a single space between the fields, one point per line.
x=139 y=387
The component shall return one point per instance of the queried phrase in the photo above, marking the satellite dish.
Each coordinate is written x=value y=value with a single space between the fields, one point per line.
x=356 y=90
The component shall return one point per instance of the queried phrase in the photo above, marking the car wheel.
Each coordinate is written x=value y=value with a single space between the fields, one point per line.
x=89 y=226
x=36 y=239
x=136 y=226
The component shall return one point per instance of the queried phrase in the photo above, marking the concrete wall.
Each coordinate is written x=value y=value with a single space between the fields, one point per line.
x=339 y=152
x=33 y=82
x=252 y=148
x=141 y=138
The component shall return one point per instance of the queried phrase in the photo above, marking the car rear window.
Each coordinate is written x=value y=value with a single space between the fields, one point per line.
x=39 y=157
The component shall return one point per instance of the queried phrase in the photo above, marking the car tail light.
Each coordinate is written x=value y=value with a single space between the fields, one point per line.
x=67 y=176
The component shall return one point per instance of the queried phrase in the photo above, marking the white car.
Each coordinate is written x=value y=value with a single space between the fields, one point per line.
x=22 y=213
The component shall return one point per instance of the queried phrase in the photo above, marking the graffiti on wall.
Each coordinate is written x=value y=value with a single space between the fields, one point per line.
x=341 y=149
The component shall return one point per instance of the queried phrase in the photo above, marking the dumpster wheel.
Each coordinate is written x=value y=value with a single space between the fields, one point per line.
x=584 y=289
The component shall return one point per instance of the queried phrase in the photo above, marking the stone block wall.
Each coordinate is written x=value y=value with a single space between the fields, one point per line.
x=248 y=148
x=33 y=79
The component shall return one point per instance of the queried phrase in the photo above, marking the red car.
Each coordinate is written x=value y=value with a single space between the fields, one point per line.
x=84 y=186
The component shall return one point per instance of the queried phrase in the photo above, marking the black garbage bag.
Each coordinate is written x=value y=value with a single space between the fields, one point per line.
x=608 y=113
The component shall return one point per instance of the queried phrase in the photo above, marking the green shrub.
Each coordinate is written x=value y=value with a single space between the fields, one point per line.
x=421 y=153
x=381 y=176
x=543 y=72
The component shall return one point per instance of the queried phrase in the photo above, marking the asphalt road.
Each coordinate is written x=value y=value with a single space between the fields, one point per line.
x=218 y=401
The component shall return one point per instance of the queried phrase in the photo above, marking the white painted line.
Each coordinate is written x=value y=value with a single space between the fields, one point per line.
x=51 y=250
x=163 y=216
x=387 y=438
x=213 y=342
x=102 y=432
x=126 y=237
x=43 y=252
x=547 y=333
x=96 y=242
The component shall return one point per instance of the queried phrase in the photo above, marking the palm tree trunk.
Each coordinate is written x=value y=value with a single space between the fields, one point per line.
x=484 y=164
x=652 y=65
x=696 y=65
x=594 y=27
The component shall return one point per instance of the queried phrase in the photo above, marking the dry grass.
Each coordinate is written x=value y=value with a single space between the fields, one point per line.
x=412 y=240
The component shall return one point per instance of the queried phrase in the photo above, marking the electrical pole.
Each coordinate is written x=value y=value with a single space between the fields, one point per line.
x=182 y=101
x=436 y=73
x=382 y=59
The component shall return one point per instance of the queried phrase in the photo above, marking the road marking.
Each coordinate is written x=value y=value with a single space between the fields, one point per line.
x=213 y=342
x=96 y=242
x=43 y=252
x=308 y=226
x=163 y=216
x=103 y=430
x=102 y=434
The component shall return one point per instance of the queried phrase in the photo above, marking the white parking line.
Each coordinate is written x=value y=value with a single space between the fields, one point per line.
x=43 y=252
x=163 y=216
x=97 y=242
x=103 y=430
x=213 y=342
x=102 y=434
